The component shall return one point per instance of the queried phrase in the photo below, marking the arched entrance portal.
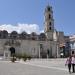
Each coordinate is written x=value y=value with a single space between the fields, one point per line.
x=12 y=51
x=72 y=52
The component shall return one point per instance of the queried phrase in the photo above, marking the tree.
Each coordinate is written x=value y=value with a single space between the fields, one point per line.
x=42 y=36
x=33 y=36
x=23 y=35
x=4 y=34
x=0 y=34
x=13 y=35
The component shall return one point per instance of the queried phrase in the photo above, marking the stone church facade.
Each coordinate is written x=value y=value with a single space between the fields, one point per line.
x=42 y=45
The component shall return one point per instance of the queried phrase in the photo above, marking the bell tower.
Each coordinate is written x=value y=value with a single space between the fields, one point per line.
x=49 y=22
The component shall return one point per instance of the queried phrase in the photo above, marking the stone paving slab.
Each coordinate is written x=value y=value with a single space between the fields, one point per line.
x=34 y=67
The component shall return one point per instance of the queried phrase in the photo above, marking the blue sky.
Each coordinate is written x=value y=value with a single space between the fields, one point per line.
x=29 y=15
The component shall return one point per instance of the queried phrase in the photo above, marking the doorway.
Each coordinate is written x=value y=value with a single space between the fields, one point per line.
x=12 y=51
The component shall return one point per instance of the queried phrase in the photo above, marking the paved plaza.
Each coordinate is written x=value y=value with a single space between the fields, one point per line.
x=34 y=67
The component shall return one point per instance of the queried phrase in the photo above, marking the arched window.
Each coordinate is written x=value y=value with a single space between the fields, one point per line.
x=48 y=8
x=49 y=16
x=50 y=23
x=50 y=28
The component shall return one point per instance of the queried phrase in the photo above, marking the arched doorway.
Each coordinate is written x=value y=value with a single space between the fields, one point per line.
x=12 y=51
x=73 y=52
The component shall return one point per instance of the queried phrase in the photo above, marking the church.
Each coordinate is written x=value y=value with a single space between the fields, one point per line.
x=43 y=45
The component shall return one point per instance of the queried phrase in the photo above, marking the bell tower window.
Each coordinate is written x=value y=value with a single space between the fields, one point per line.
x=50 y=28
x=49 y=16
x=48 y=8
x=50 y=23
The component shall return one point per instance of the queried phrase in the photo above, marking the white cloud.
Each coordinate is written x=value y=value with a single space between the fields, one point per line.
x=21 y=27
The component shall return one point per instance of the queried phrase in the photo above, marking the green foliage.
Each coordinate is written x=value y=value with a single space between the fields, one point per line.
x=19 y=56
x=23 y=56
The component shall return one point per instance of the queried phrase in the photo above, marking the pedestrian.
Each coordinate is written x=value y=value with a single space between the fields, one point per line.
x=73 y=63
x=68 y=63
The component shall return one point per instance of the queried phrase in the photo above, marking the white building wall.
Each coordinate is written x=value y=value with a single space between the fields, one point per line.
x=30 y=47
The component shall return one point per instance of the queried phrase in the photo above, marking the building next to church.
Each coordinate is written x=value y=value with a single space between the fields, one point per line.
x=72 y=44
x=51 y=43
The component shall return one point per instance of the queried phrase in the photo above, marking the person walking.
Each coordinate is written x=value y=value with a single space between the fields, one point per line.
x=68 y=63
x=73 y=63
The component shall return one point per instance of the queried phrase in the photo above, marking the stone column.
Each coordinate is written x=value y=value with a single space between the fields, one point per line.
x=39 y=50
x=6 y=53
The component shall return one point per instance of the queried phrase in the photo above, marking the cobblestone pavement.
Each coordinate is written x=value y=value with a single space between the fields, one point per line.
x=34 y=67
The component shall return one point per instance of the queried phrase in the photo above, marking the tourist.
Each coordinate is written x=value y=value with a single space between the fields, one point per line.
x=68 y=63
x=73 y=63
